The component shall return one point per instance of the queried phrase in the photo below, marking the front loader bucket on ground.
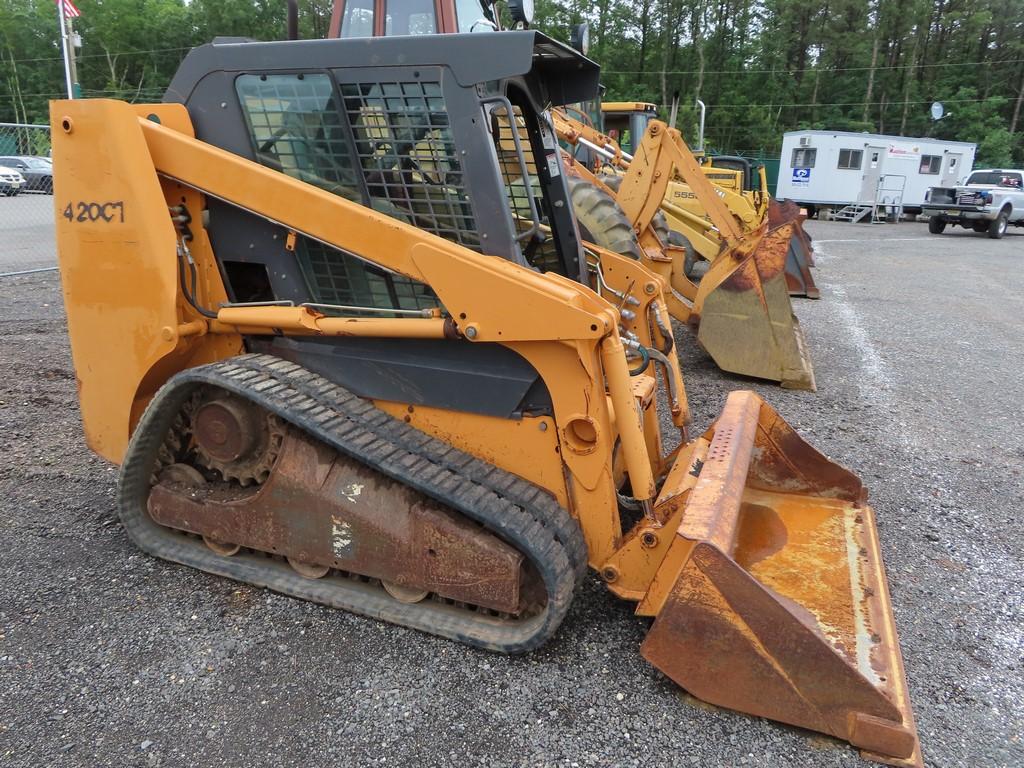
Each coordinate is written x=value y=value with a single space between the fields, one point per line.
x=799 y=281
x=772 y=598
x=800 y=257
x=747 y=323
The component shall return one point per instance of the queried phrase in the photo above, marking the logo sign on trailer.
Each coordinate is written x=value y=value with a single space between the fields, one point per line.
x=802 y=176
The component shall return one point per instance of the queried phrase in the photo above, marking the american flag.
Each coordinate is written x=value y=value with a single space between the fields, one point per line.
x=69 y=9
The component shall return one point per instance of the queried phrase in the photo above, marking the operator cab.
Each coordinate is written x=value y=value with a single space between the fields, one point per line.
x=385 y=18
x=626 y=122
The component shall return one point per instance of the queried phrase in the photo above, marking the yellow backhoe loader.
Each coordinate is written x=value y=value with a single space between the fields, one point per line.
x=752 y=204
x=309 y=324
x=748 y=201
x=740 y=307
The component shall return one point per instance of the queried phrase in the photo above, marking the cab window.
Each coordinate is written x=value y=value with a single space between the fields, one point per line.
x=357 y=20
x=410 y=17
x=471 y=16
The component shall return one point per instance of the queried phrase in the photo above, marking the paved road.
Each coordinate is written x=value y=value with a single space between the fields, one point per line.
x=26 y=232
x=110 y=658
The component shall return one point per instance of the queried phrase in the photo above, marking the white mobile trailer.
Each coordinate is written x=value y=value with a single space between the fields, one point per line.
x=834 y=169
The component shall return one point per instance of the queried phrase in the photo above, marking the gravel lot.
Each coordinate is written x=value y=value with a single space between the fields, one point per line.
x=111 y=658
x=26 y=232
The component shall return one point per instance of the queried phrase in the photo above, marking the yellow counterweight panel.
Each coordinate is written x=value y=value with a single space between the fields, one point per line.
x=116 y=250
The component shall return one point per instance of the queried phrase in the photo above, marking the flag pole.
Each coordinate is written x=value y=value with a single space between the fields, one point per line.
x=65 y=43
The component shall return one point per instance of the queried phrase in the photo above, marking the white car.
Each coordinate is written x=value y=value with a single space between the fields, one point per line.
x=11 y=181
x=989 y=201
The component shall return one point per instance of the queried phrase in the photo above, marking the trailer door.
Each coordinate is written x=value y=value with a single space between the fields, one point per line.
x=872 y=173
x=951 y=171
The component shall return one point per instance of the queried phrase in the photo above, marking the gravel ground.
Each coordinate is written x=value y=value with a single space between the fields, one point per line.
x=27 y=232
x=111 y=658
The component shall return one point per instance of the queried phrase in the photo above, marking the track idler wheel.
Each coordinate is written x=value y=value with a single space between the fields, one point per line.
x=408 y=595
x=222 y=548
x=308 y=570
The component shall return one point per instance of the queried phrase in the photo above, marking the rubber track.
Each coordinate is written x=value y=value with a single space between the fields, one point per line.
x=521 y=513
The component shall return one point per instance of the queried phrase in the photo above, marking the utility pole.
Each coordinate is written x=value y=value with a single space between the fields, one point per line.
x=69 y=55
x=73 y=44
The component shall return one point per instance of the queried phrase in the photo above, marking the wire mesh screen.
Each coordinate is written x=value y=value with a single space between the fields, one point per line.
x=26 y=199
x=542 y=254
x=405 y=147
x=298 y=129
x=351 y=282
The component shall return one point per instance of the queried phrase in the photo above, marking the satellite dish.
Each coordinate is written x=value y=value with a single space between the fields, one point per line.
x=937 y=110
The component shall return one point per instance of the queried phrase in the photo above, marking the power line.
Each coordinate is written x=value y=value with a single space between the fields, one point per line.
x=99 y=55
x=786 y=70
x=894 y=102
x=89 y=93
x=620 y=71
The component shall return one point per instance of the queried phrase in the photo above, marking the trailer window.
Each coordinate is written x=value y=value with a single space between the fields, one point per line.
x=410 y=17
x=357 y=20
x=850 y=159
x=931 y=164
x=804 y=158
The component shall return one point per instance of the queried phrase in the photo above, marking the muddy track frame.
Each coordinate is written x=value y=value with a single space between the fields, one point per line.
x=518 y=511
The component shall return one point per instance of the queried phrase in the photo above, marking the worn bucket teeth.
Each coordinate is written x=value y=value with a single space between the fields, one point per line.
x=772 y=598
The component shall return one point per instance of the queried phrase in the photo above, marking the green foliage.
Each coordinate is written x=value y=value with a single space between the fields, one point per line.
x=995 y=150
x=130 y=48
x=767 y=67
x=763 y=67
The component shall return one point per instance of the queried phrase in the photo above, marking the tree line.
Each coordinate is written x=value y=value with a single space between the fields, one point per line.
x=762 y=66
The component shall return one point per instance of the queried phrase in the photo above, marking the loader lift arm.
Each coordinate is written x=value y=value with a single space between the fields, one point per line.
x=662 y=153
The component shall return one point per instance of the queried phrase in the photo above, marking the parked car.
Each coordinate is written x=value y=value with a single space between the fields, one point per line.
x=11 y=181
x=991 y=200
x=37 y=171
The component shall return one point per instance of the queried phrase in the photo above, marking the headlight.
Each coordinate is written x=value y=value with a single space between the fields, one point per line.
x=581 y=37
x=521 y=11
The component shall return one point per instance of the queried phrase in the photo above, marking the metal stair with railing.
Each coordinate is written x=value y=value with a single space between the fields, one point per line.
x=854 y=212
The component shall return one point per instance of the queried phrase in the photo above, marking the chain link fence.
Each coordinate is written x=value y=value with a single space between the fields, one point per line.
x=26 y=199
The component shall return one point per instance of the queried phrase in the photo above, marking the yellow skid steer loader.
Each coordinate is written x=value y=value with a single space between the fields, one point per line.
x=308 y=325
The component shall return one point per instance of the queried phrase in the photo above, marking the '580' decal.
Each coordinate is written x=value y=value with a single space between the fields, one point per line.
x=106 y=212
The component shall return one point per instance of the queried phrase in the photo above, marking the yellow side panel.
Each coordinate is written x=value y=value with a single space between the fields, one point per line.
x=525 y=447
x=116 y=247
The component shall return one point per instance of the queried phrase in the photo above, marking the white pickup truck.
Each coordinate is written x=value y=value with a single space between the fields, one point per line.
x=990 y=201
